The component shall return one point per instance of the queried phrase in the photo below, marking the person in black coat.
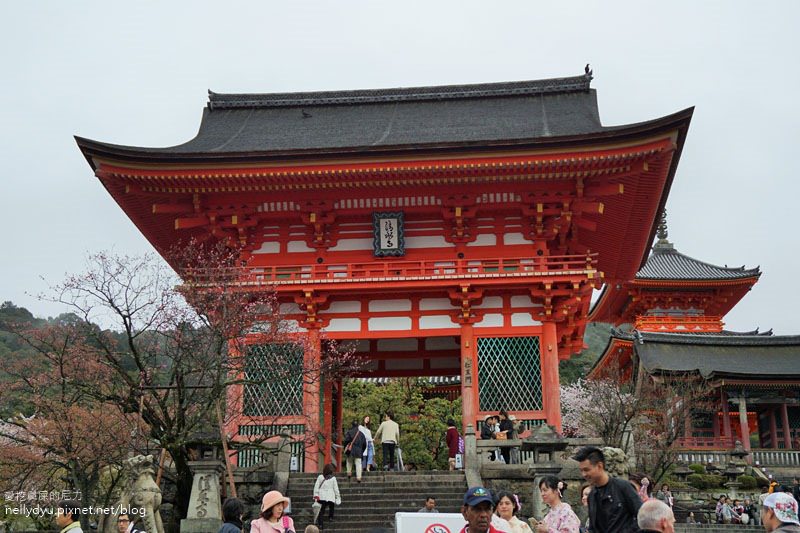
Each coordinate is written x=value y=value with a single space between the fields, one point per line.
x=506 y=427
x=232 y=511
x=354 y=445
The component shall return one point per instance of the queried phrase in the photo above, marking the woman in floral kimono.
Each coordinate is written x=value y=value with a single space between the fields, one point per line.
x=561 y=518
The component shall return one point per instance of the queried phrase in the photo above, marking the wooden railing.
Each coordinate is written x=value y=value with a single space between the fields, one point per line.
x=714 y=443
x=400 y=270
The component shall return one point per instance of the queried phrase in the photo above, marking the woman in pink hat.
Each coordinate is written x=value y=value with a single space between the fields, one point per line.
x=272 y=519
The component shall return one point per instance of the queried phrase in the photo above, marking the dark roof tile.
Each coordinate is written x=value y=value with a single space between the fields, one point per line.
x=668 y=264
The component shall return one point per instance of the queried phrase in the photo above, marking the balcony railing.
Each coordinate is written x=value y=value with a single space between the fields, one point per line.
x=402 y=270
x=712 y=443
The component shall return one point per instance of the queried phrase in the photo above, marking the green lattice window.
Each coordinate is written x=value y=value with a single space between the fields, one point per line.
x=509 y=374
x=274 y=374
x=251 y=456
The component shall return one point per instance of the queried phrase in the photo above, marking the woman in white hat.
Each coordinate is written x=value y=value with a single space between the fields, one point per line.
x=272 y=519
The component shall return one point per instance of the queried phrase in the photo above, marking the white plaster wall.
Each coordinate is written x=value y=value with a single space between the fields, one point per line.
x=344 y=307
x=392 y=323
x=484 y=239
x=523 y=319
x=436 y=322
x=491 y=320
x=515 y=238
x=521 y=301
x=430 y=304
x=352 y=244
x=435 y=241
x=490 y=302
x=378 y=306
x=269 y=248
x=344 y=324
x=298 y=246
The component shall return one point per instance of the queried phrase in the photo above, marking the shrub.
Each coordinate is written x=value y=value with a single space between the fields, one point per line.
x=747 y=482
x=706 y=481
x=697 y=469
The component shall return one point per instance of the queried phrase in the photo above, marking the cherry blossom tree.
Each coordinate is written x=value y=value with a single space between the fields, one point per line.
x=168 y=353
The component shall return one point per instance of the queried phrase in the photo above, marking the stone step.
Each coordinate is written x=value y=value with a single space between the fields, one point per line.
x=374 y=502
x=708 y=528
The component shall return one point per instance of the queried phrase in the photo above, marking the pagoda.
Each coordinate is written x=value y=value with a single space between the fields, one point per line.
x=674 y=309
x=444 y=231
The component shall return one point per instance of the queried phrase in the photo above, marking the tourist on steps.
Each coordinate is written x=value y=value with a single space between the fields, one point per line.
x=368 y=458
x=354 y=445
x=451 y=438
x=430 y=506
x=389 y=435
x=326 y=492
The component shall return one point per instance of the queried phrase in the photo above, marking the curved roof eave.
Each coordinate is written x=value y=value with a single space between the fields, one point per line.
x=171 y=155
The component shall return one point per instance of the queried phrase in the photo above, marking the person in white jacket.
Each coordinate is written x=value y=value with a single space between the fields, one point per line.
x=326 y=492
x=367 y=460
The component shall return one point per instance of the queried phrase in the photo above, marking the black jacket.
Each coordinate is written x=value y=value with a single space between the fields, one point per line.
x=617 y=511
x=358 y=439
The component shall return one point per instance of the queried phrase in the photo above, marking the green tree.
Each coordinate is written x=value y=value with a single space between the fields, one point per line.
x=423 y=423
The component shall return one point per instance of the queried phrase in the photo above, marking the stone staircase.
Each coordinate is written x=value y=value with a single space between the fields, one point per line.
x=717 y=528
x=373 y=502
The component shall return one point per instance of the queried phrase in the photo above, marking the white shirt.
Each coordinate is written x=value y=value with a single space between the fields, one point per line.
x=367 y=435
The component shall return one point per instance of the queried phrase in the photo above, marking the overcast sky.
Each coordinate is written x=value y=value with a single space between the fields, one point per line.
x=138 y=74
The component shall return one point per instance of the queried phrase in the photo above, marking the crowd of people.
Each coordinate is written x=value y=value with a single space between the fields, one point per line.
x=613 y=505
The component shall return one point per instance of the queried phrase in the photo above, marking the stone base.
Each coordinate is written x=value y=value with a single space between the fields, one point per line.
x=200 y=525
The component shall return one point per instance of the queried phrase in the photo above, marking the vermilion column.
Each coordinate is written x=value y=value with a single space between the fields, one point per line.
x=469 y=377
x=311 y=399
x=726 y=417
x=745 y=425
x=773 y=428
x=550 y=386
x=787 y=433
x=327 y=420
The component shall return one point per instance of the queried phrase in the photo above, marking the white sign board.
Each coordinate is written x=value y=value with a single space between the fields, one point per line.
x=429 y=522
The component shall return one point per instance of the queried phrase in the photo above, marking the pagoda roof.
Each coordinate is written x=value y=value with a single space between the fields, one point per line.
x=666 y=266
x=236 y=126
x=667 y=263
x=720 y=355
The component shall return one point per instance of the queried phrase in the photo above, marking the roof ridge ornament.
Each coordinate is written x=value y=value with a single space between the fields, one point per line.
x=662 y=233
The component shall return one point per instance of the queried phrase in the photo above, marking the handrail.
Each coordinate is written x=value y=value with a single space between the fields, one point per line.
x=714 y=443
x=427 y=269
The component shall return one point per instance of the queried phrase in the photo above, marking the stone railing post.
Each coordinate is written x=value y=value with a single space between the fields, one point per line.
x=205 y=511
x=283 y=461
x=472 y=461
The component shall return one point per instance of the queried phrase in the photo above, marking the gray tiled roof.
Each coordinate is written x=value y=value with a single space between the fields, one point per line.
x=774 y=357
x=403 y=117
x=667 y=263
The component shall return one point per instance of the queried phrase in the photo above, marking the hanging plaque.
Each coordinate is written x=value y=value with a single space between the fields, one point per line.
x=388 y=234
